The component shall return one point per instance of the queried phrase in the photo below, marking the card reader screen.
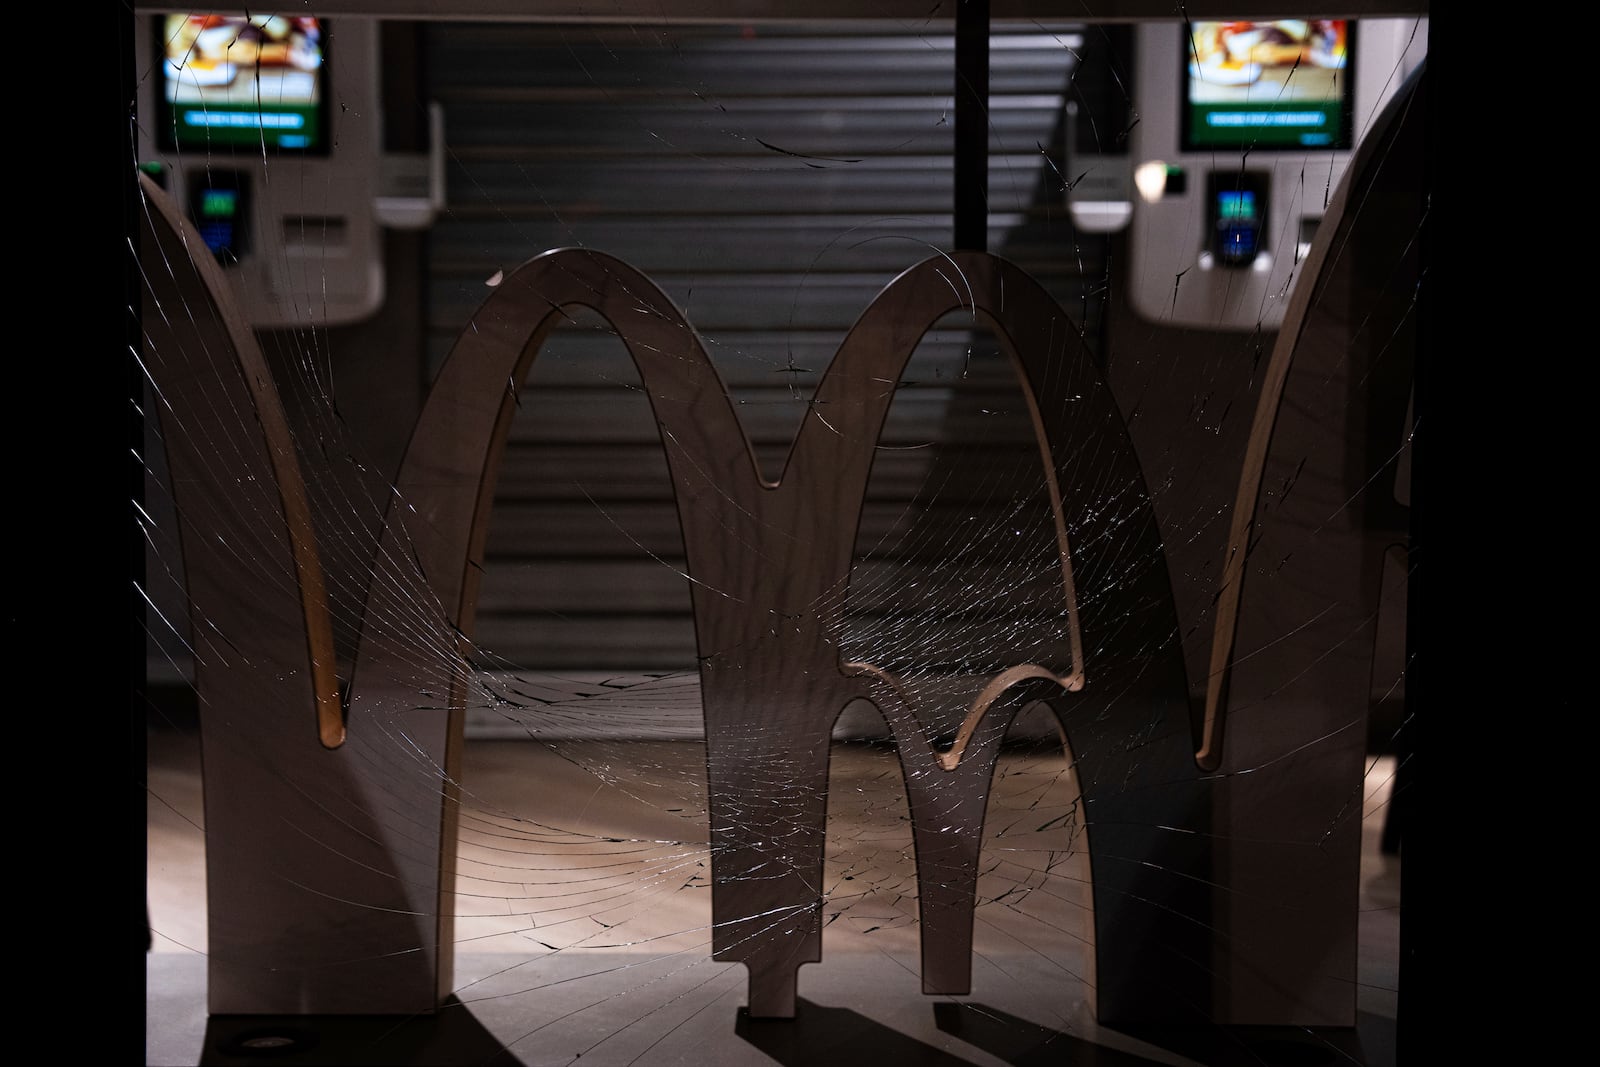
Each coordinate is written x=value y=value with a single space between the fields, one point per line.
x=219 y=207
x=1236 y=206
x=1236 y=214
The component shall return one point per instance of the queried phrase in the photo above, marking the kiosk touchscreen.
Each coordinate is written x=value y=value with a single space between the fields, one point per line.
x=257 y=83
x=268 y=129
x=1268 y=85
x=1247 y=127
x=238 y=113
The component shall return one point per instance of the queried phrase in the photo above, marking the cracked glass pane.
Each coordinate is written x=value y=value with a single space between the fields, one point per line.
x=601 y=529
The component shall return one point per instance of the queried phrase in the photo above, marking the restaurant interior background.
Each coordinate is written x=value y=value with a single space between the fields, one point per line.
x=771 y=175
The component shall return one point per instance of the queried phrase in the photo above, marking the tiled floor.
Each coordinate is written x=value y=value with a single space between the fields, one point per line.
x=614 y=967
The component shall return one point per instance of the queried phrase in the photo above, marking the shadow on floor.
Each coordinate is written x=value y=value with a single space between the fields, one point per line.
x=1026 y=1044
x=820 y=1035
x=1257 y=1046
x=450 y=1038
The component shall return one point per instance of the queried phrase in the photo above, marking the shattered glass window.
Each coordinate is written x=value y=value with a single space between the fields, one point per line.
x=603 y=526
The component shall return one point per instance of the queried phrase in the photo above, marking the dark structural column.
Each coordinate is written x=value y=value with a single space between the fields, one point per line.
x=972 y=126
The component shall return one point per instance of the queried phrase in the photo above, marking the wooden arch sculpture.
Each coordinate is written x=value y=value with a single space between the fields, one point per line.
x=323 y=835
x=769 y=566
x=1291 y=656
x=330 y=842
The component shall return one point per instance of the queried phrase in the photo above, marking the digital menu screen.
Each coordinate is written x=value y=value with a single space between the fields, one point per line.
x=1280 y=84
x=257 y=81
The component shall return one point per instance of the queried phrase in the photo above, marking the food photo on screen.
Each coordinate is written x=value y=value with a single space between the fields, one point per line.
x=244 y=80
x=1283 y=83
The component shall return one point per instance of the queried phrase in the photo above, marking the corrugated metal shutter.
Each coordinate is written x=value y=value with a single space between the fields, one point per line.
x=772 y=180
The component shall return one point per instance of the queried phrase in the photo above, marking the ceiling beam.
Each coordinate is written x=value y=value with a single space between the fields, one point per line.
x=913 y=11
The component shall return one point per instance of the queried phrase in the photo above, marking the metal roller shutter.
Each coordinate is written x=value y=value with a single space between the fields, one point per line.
x=772 y=180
